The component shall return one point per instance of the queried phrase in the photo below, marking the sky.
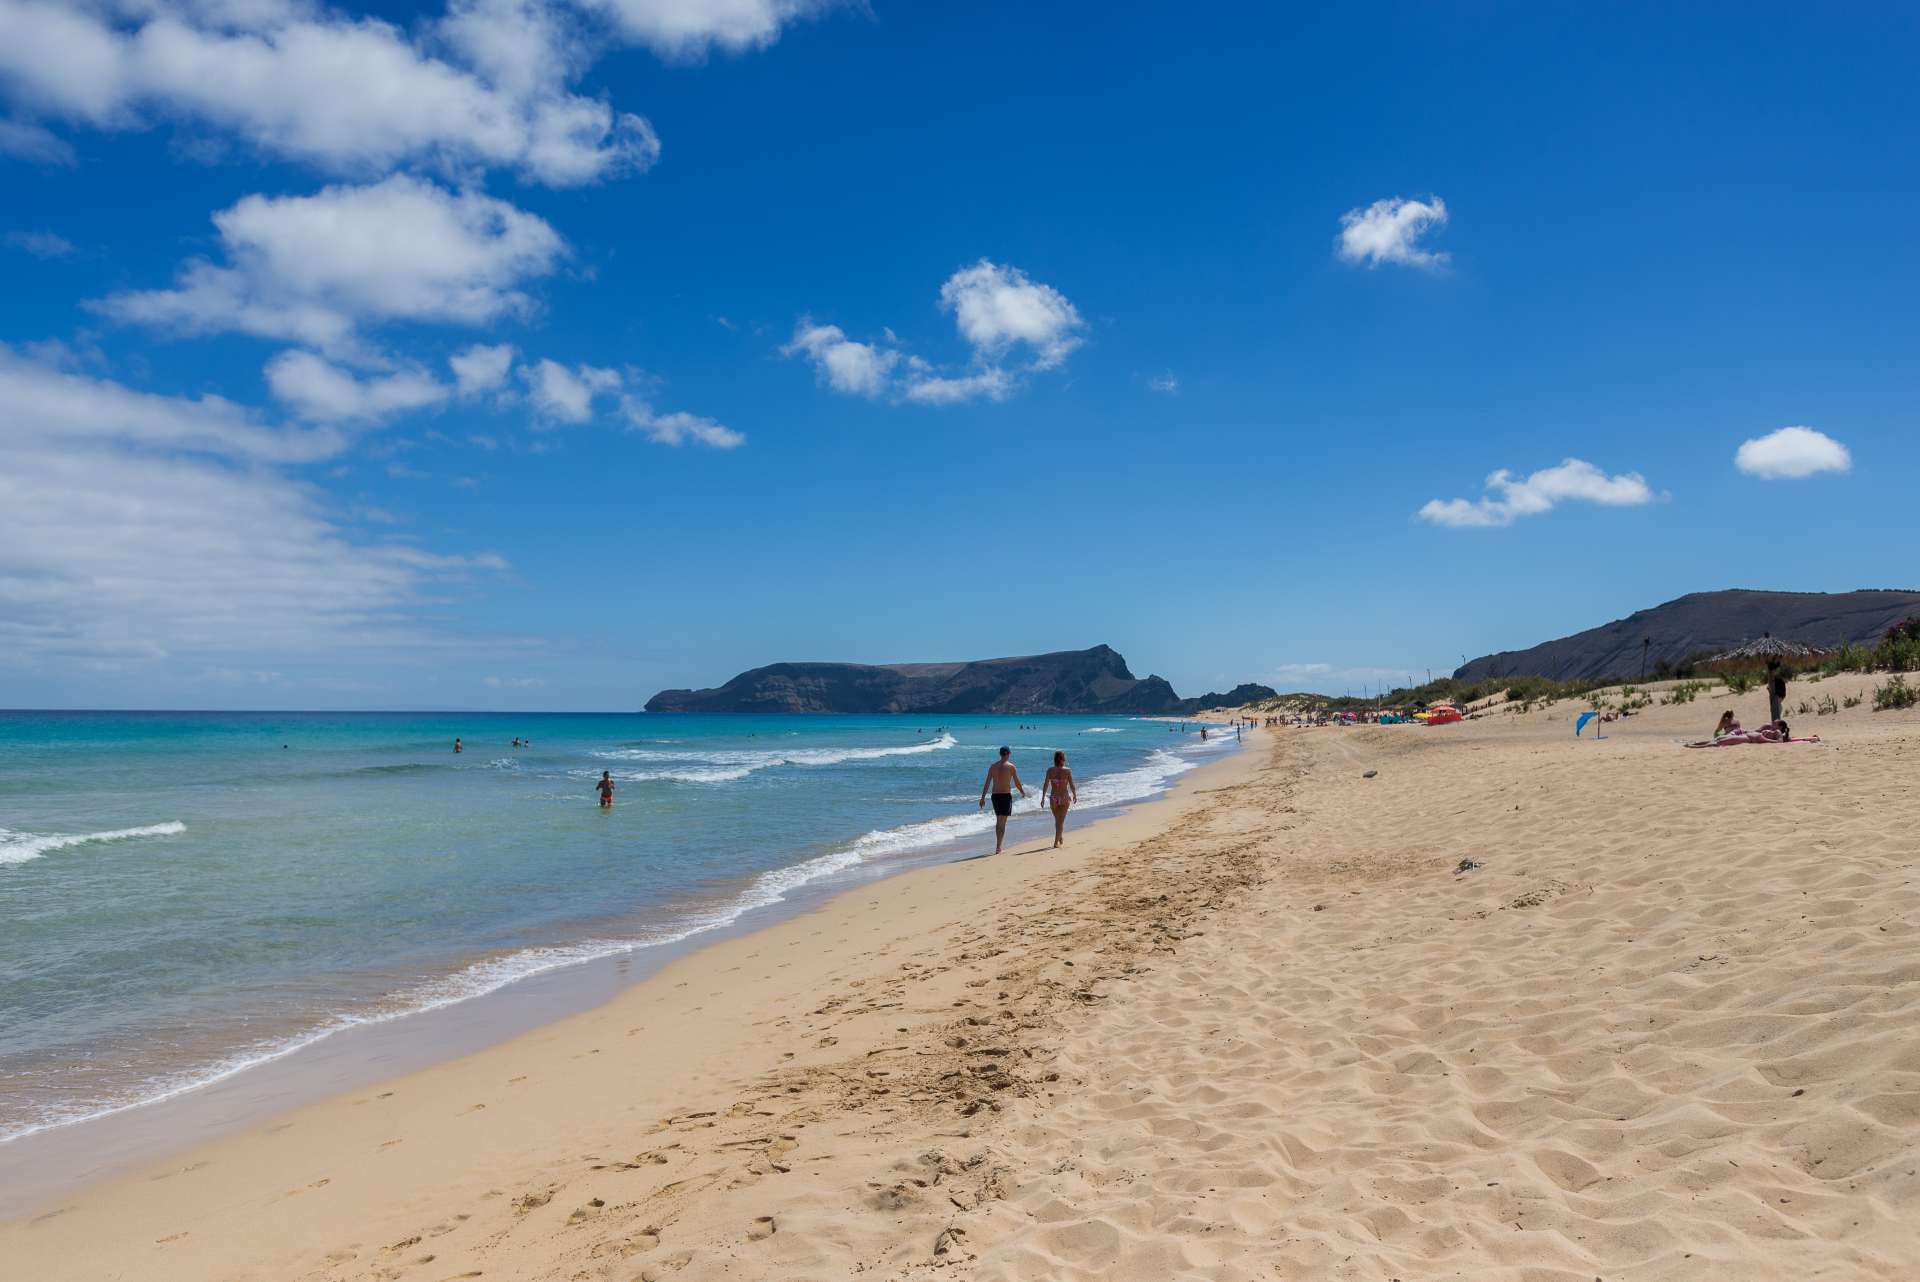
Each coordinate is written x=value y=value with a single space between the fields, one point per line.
x=547 y=353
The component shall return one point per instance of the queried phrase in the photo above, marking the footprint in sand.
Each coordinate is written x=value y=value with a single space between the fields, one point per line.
x=762 y=1227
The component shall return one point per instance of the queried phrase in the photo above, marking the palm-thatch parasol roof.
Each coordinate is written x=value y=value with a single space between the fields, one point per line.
x=1766 y=647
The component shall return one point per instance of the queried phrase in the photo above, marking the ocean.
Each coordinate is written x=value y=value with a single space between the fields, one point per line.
x=186 y=896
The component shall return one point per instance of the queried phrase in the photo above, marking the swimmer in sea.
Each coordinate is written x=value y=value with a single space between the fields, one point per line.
x=606 y=790
x=456 y=746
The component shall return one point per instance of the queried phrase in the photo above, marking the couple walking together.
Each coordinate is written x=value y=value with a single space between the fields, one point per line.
x=1058 y=791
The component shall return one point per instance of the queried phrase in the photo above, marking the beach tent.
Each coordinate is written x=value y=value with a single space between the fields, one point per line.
x=1443 y=713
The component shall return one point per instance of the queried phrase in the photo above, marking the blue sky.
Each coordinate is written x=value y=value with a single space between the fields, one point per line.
x=545 y=353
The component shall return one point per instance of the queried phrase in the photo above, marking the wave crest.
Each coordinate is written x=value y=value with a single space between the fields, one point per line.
x=18 y=847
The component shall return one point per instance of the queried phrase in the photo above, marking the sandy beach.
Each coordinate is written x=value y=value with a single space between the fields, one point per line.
x=1668 y=1028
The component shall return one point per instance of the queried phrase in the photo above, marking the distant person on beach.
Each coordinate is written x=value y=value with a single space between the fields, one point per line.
x=457 y=747
x=1729 y=724
x=1059 y=791
x=1776 y=689
x=606 y=790
x=1002 y=779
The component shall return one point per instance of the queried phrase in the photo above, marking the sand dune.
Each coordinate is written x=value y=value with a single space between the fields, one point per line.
x=1668 y=1029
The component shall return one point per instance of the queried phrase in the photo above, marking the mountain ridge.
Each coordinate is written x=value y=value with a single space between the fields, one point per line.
x=1095 y=680
x=1700 y=623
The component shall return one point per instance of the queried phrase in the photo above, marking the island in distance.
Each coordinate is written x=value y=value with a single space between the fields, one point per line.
x=1067 y=681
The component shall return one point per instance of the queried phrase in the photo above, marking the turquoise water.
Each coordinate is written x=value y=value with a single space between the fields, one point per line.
x=186 y=895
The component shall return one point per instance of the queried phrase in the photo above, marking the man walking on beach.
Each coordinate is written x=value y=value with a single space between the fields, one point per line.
x=1002 y=779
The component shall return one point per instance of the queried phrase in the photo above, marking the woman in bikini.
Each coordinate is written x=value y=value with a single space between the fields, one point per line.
x=606 y=789
x=1058 y=791
x=1729 y=724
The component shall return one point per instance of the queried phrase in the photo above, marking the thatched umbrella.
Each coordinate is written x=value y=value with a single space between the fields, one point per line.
x=1768 y=648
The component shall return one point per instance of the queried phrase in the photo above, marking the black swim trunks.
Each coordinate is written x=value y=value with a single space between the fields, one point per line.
x=1003 y=803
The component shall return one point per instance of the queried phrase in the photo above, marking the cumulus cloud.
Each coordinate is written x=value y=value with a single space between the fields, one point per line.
x=481 y=368
x=993 y=384
x=567 y=395
x=685 y=30
x=858 y=369
x=314 y=269
x=322 y=392
x=998 y=311
x=1511 y=498
x=1388 y=231
x=142 y=526
x=1791 y=453
x=1165 y=384
x=679 y=427
x=348 y=95
x=997 y=307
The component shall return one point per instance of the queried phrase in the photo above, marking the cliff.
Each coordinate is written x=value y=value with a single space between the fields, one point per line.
x=1068 y=681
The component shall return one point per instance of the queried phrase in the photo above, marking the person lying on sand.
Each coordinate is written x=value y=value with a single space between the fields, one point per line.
x=1775 y=732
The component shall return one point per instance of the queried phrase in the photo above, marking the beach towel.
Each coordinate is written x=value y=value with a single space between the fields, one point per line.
x=1739 y=737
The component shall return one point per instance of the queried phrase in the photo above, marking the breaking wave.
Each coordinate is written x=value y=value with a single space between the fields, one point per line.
x=18 y=847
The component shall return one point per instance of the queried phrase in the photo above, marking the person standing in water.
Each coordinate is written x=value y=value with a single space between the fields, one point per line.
x=606 y=790
x=1058 y=791
x=456 y=745
x=1002 y=779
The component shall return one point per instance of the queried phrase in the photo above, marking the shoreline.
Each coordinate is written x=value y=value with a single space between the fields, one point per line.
x=69 y=1158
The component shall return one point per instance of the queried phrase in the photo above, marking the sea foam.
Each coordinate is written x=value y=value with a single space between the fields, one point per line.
x=18 y=847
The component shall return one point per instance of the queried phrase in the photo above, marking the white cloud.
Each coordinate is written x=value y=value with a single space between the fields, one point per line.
x=1791 y=453
x=992 y=384
x=858 y=369
x=1573 y=479
x=996 y=307
x=513 y=683
x=315 y=268
x=679 y=427
x=41 y=244
x=482 y=368
x=44 y=401
x=322 y=392
x=567 y=395
x=684 y=30
x=23 y=141
x=1387 y=231
x=141 y=526
x=349 y=95
x=1165 y=384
